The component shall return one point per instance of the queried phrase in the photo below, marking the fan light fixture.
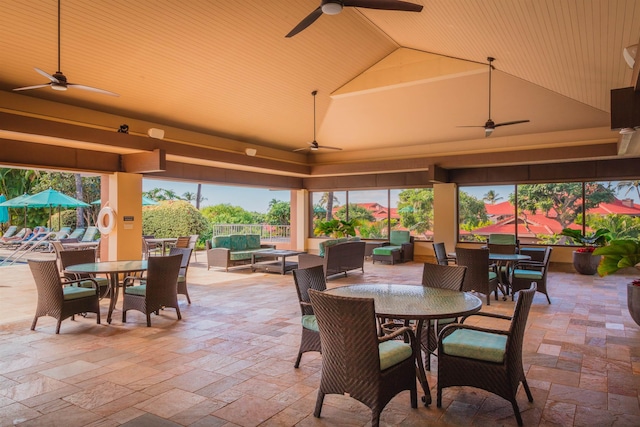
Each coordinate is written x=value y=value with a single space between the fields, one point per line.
x=250 y=152
x=332 y=8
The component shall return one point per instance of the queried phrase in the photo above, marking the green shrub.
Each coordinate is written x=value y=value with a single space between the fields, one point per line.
x=68 y=218
x=173 y=218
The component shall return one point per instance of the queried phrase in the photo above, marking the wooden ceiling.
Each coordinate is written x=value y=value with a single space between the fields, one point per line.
x=391 y=85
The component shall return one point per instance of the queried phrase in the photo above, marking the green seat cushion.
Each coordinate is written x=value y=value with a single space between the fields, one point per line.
x=398 y=237
x=221 y=242
x=475 y=345
x=527 y=274
x=253 y=241
x=386 y=250
x=238 y=242
x=75 y=292
x=331 y=242
x=102 y=281
x=393 y=352
x=502 y=239
x=310 y=322
x=492 y=275
x=136 y=290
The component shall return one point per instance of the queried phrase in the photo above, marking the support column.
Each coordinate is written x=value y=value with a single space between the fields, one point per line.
x=299 y=219
x=122 y=192
x=445 y=215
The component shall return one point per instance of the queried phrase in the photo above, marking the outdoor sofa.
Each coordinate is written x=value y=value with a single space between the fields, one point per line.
x=336 y=256
x=233 y=250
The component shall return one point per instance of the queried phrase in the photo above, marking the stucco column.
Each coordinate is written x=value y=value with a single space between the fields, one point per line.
x=445 y=215
x=299 y=219
x=122 y=192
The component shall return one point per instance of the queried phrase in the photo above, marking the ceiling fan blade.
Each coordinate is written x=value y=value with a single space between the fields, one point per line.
x=47 y=75
x=470 y=126
x=515 y=122
x=310 y=19
x=91 y=89
x=384 y=5
x=301 y=149
x=32 y=87
x=325 y=147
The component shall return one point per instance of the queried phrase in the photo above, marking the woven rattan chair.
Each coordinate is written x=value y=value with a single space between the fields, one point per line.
x=489 y=359
x=305 y=279
x=355 y=361
x=83 y=256
x=479 y=277
x=527 y=272
x=59 y=298
x=184 y=268
x=441 y=254
x=443 y=277
x=160 y=288
x=182 y=242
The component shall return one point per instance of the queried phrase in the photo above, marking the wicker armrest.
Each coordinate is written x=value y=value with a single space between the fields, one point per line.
x=486 y=314
x=67 y=281
x=396 y=333
x=129 y=280
x=452 y=327
x=529 y=263
x=305 y=304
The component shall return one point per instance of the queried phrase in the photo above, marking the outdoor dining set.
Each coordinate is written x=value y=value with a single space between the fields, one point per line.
x=372 y=336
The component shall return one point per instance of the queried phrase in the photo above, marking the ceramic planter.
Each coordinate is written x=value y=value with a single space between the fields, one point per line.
x=585 y=262
x=633 y=302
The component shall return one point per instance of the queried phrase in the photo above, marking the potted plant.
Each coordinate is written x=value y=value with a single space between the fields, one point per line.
x=621 y=254
x=336 y=228
x=584 y=260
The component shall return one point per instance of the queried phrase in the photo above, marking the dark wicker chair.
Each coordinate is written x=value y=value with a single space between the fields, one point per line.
x=479 y=277
x=59 y=298
x=305 y=279
x=160 y=288
x=355 y=360
x=527 y=272
x=184 y=268
x=441 y=254
x=83 y=256
x=499 y=370
x=443 y=277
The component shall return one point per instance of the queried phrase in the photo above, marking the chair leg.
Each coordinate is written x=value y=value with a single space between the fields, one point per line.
x=148 y=320
x=33 y=324
x=547 y=295
x=178 y=312
x=526 y=389
x=186 y=293
x=58 y=326
x=297 y=364
x=516 y=411
x=319 y=400
x=124 y=316
x=439 y=397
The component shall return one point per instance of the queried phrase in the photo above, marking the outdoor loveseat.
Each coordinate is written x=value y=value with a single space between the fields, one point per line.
x=336 y=256
x=232 y=250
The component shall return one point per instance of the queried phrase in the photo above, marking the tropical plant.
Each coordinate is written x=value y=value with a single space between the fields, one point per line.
x=491 y=197
x=618 y=254
x=336 y=228
x=173 y=218
x=279 y=212
x=589 y=242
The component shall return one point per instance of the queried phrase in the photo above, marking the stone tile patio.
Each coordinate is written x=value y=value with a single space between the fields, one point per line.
x=229 y=362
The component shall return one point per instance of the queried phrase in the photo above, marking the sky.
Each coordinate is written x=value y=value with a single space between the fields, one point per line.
x=250 y=199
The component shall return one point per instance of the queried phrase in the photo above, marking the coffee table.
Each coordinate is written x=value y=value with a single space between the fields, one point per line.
x=276 y=260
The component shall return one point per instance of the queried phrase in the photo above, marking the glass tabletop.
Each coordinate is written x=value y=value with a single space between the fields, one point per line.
x=508 y=257
x=413 y=301
x=108 y=267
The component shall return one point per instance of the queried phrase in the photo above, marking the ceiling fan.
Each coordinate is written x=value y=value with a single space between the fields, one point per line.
x=314 y=146
x=59 y=80
x=490 y=125
x=333 y=7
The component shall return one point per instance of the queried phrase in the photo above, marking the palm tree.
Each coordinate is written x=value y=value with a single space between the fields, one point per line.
x=327 y=199
x=630 y=186
x=492 y=197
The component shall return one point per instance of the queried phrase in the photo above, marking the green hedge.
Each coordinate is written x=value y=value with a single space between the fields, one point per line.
x=173 y=218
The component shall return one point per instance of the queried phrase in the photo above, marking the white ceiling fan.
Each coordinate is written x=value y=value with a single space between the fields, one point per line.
x=314 y=146
x=58 y=81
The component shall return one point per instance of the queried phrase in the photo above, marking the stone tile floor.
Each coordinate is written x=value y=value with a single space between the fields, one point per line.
x=229 y=362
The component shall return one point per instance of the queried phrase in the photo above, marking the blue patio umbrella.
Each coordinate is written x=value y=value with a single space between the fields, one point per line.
x=4 y=211
x=51 y=198
x=146 y=201
x=17 y=202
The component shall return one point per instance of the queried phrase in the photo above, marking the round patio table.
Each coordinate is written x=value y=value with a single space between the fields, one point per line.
x=112 y=269
x=414 y=302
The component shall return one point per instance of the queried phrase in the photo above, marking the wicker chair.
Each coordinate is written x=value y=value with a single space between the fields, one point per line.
x=184 y=268
x=443 y=277
x=160 y=289
x=441 y=254
x=83 y=256
x=193 y=240
x=59 y=298
x=305 y=279
x=355 y=361
x=527 y=272
x=489 y=359
x=182 y=242
x=479 y=278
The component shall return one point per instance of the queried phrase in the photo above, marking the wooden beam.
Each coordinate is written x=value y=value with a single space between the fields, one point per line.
x=145 y=162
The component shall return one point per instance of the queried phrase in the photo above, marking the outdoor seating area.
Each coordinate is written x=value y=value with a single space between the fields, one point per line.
x=579 y=359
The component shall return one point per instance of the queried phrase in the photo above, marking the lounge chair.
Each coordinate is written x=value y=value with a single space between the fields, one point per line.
x=90 y=234
x=7 y=240
x=78 y=233
x=10 y=231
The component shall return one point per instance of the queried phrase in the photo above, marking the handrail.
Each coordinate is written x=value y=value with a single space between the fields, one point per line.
x=28 y=246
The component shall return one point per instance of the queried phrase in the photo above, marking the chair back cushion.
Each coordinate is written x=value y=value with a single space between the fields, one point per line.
x=221 y=242
x=253 y=241
x=238 y=242
x=398 y=237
